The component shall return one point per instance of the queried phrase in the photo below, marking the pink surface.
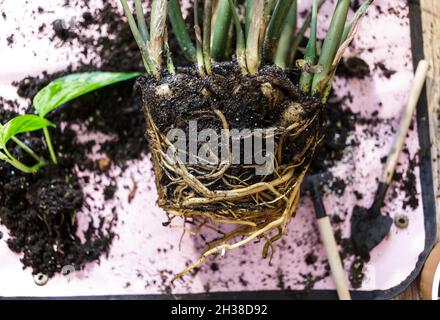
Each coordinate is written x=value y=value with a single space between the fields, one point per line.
x=135 y=264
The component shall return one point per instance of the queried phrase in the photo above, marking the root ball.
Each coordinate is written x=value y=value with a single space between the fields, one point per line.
x=231 y=189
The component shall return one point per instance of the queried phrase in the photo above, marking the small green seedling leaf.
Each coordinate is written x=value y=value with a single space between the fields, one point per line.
x=67 y=88
x=22 y=124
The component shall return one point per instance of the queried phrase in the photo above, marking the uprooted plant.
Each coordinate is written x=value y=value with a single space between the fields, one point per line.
x=51 y=97
x=266 y=87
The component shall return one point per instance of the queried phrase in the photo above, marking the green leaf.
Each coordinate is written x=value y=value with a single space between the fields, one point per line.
x=67 y=88
x=22 y=124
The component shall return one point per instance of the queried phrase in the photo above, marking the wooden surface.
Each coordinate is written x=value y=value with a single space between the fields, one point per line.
x=431 y=36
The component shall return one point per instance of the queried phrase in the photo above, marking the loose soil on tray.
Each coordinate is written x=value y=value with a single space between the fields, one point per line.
x=40 y=211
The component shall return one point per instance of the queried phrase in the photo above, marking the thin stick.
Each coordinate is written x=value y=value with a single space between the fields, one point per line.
x=180 y=31
x=334 y=259
x=416 y=90
x=132 y=23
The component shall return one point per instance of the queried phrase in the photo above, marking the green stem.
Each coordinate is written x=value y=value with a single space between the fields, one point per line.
x=327 y=90
x=3 y=157
x=230 y=45
x=20 y=166
x=253 y=44
x=300 y=35
x=249 y=13
x=180 y=31
x=207 y=15
x=27 y=149
x=286 y=38
x=158 y=26
x=132 y=23
x=169 y=57
x=141 y=21
x=138 y=38
x=331 y=45
x=361 y=11
x=221 y=30
x=50 y=146
x=275 y=27
x=310 y=55
x=268 y=9
x=241 y=45
x=199 y=40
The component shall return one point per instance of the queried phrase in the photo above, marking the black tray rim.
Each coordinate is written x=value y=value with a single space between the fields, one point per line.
x=429 y=209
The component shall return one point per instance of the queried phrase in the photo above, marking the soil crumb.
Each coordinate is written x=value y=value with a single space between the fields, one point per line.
x=353 y=67
x=387 y=73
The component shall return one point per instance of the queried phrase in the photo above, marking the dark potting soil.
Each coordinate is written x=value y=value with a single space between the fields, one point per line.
x=339 y=125
x=97 y=112
x=42 y=217
x=409 y=185
x=247 y=108
x=40 y=210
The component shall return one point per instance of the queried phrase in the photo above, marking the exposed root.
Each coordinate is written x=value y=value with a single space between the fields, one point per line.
x=225 y=193
x=279 y=223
